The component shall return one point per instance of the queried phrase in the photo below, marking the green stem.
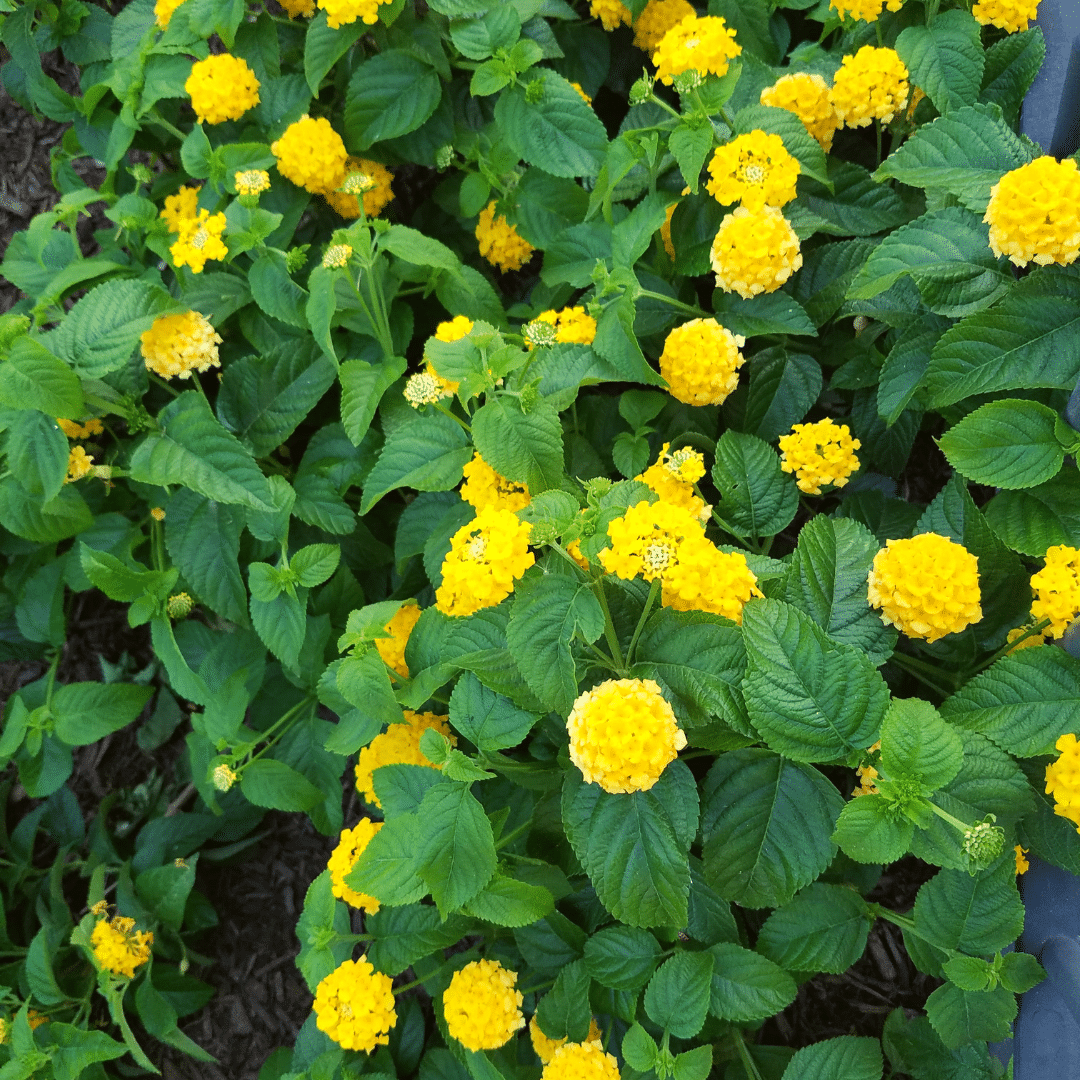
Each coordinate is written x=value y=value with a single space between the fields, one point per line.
x=285 y=718
x=609 y=626
x=690 y=309
x=724 y=116
x=51 y=684
x=447 y=412
x=748 y=1062
x=923 y=672
x=156 y=118
x=1038 y=628
x=956 y=823
x=600 y=657
x=907 y=924
x=654 y=591
x=538 y=986
x=163 y=384
x=419 y=982
x=510 y=837
x=664 y=105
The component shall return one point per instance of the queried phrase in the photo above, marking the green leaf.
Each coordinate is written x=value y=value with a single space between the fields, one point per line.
x=1024 y=702
x=506 y=902
x=857 y=206
x=811 y=698
x=195 y=451
x=279 y=620
x=1036 y=519
x=458 y=858
x=905 y=365
x=780 y=391
x=275 y=291
x=547 y=611
x=324 y=47
x=159 y=1017
x=118 y=581
x=543 y=207
x=488 y=720
x=1011 y=66
x=318 y=928
x=695 y=1064
x=1020 y=972
x=961 y=1017
x=690 y=144
x=947 y=254
x=977 y=915
x=634 y=847
x=757 y=498
x=362 y=388
x=916 y=744
x=558 y=133
x=827 y=580
x=165 y=890
x=427 y=453
x=88 y=711
x=203 y=539
x=479 y=38
x=313 y=564
x=945 y=60
x=964 y=153
x=24 y=514
x=622 y=957
x=746 y=986
x=766 y=824
x=678 y=995
x=270 y=783
x=390 y=94
x=767 y=313
x=387 y=867
x=73 y=1050
x=524 y=446
x=32 y=378
x=1020 y=343
x=415 y=247
x=969 y=972
x=1008 y=443
x=403 y=935
x=639 y=1049
x=564 y=1011
x=869 y=831
x=824 y=928
x=102 y=330
x=37 y=453
x=845 y=1058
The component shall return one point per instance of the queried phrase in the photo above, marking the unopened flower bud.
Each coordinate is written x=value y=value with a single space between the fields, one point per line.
x=224 y=777
x=179 y=606
x=686 y=81
x=539 y=332
x=983 y=843
x=534 y=92
x=641 y=91
x=860 y=323
x=141 y=174
x=296 y=257
x=444 y=157
x=157 y=513
x=336 y=256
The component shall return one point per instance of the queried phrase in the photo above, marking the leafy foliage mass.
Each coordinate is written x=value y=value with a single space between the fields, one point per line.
x=268 y=517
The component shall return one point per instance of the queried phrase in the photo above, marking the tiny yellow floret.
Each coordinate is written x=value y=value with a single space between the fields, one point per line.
x=180 y=208
x=484 y=488
x=871 y=85
x=177 y=345
x=482 y=1005
x=79 y=464
x=819 y=454
x=392 y=649
x=119 y=947
x=311 y=154
x=754 y=251
x=499 y=241
x=1009 y=15
x=344 y=857
x=581 y=1061
x=754 y=169
x=1034 y=213
x=867 y=775
x=199 y=241
x=1022 y=865
x=810 y=99
x=487 y=555
x=611 y=13
x=74 y=430
x=623 y=734
x=866 y=10
x=427 y=388
x=701 y=361
x=926 y=586
x=1063 y=779
x=1057 y=589
x=224 y=777
x=398 y=745
x=221 y=87
x=354 y=1006
x=293 y=8
x=372 y=181
x=573 y=326
x=251 y=182
x=163 y=11
x=581 y=90
x=157 y=513
x=453 y=329
x=706 y=45
x=673 y=476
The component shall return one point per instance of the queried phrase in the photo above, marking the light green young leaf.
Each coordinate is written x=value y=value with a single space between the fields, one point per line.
x=270 y=783
x=118 y=581
x=869 y=832
x=639 y=1049
x=917 y=744
x=32 y=378
x=524 y=446
x=281 y=623
x=961 y=1017
x=37 y=453
x=323 y=917
x=315 y=563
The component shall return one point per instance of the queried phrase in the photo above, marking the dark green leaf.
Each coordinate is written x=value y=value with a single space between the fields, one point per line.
x=824 y=928
x=746 y=986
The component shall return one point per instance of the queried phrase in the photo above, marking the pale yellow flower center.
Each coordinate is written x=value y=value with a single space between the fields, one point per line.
x=754 y=174
x=198 y=241
x=476 y=548
x=659 y=555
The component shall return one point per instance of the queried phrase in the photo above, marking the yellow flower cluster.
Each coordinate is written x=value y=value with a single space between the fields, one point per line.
x=926 y=586
x=180 y=208
x=1063 y=779
x=163 y=11
x=707 y=579
x=754 y=169
x=706 y=45
x=336 y=256
x=342 y=12
x=810 y=99
x=354 y=1006
x=581 y=90
x=623 y=734
x=199 y=241
x=1057 y=589
x=672 y=477
x=1010 y=15
x=311 y=154
x=484 y=488
x=180 y=344
x=79 y=464
x=1022 y=865
x=866 y=10
x=871 y=85
x=453 y=329
x=119 y=947
x=251 y=182
x=392 y=649
x=821 y=453
x=74 y=430
x=293 y=8
x=581 y=1061
x=701 y=361
x=486 y=557
x=499 y=241
x=657 y=19
x=221 y=87
x=482 y=1006
x=573 y=325
x=1028 y=643
x=344 y=857
x=223 y=777
x=545 y=1048
x=1034 y=213
x=374 y=188
x=867 y=775
x=398 y=745
x=611 y=13
x=755 y=251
